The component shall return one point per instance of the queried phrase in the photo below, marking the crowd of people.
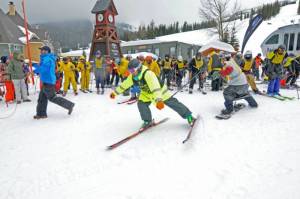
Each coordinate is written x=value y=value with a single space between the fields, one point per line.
x=279 y=69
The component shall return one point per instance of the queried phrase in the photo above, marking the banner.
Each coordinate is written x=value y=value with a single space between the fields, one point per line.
x=253 y=25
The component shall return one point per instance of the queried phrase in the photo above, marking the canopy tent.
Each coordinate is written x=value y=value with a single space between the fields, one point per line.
x=216 y=46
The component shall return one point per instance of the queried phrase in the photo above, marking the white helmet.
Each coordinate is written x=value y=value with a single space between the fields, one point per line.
x=180 y=58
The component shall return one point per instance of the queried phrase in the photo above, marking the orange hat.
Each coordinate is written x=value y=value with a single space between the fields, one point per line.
x=148 y=59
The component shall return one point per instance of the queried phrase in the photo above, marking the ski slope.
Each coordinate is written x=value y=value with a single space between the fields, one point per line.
x=204 y=36
x=254 y=155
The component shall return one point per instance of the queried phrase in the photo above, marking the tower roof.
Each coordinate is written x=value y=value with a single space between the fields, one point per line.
x=9 y=31
x=102 y=5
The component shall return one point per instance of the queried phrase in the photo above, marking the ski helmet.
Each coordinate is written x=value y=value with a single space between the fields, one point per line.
x=180 y=58
x=248 y=55
x=282 y=46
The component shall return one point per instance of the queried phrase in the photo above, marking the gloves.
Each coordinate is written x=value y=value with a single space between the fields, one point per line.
x=113 y=95
x=160 y=105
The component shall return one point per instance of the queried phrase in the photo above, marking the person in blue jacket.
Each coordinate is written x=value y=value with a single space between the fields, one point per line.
x=46 y=71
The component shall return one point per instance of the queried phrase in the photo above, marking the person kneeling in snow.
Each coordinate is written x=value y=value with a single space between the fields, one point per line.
x=237 y=86
x=151 y=92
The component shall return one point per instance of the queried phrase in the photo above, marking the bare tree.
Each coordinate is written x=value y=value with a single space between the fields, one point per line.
x=222 y=12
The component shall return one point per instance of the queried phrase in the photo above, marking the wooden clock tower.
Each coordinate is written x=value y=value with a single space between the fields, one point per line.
x=105 y=36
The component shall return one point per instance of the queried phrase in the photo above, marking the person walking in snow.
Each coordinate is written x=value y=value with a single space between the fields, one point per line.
x=151 y=92
x=180 y=70
x=237 y=86
x=215 y=65
x=46 y=70
x=100 y=72
x=274 y=69
x=15 y=68
x=292 y=66
x=197 y=67
x=166 y=70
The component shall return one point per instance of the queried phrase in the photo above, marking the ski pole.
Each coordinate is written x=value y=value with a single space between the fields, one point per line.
x=297 y=92
x=179 y=90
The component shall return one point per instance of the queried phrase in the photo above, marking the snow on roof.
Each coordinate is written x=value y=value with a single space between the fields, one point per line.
x=218 y=45
x=75 y=53
x=31 y=35
x=141 y=42
x=196 y=37
x=145 y=54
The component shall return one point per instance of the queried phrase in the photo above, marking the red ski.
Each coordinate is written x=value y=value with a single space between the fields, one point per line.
x=129 y=101
x=191 y=129
x=135 y=134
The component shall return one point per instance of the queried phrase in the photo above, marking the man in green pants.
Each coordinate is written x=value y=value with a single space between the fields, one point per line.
x=151 y=92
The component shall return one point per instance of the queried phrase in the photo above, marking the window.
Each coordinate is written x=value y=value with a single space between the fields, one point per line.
x=298 y=42
x=136 y=51
x=286 y=39
x=149 y=50
x=172 y=51
x=129 y=52
x=292 y=40
x=273 y=40
x=157 y=51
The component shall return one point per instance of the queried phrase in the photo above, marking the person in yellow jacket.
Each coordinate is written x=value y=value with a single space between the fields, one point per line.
x=292 y=66
x=215 y=65
x=151 y=92
x=274 y=69
x=68 y=69
x=84 y=68
x=166 y=65
x=248 y=66
x=152 y=65
x=198 y=70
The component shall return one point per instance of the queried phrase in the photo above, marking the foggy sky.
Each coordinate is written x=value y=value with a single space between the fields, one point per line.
x=130 y=11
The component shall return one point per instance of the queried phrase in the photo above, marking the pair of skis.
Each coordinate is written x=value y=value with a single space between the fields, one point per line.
x=279 y=97
x=139 y=132
x=129 y=102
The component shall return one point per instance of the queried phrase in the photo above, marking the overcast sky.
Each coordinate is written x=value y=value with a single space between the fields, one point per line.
x=130 y=11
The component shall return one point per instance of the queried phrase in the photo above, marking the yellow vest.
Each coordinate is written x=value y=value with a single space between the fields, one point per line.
x=276 y=58
x=199 y=63
x=99 y=63
x=181 y=65
x=167 y=64
x=248 y=65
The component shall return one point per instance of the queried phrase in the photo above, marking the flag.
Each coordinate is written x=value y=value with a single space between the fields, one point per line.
x=253 y=25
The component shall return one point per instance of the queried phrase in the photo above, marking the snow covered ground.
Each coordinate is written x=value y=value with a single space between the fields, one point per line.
x=254 y=155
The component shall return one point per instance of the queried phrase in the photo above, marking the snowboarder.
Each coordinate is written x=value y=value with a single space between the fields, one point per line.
x=248 y=65
x=68 y=68
x=151 y=92
x=85 y=68
x=46 y=70
x=198 y=67
x=274 y=69
x=15 y=69
x=215 y=65
x=237 y=86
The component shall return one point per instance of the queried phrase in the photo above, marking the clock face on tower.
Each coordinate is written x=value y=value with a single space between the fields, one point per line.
x=100 y=17
x=110 y=18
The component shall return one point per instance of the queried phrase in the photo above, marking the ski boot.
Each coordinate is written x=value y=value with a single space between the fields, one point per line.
x=102 y=92
x=191 y=120
x=98 y=91
x=190 y=91
x=147 y=124
x=75 y=93
x=226 y=112
x=64 y=94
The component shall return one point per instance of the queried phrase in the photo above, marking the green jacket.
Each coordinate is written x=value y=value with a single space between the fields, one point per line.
x=15 y=67
x=151 y=90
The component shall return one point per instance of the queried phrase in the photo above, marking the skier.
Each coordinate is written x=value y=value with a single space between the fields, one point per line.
x=237 y=86
x=166 y=73
x=46 y=70
x=214 y=67
x=115 y=75
x=68 y=68
x=151 y=92
x=85 y=68
x=248 y=65
x=15 y=69
x=180 y=68
x=198 y=67
x=274 y=69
